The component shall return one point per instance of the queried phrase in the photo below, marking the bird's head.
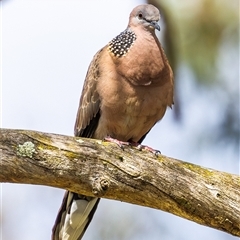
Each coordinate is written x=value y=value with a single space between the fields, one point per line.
x=146 y=16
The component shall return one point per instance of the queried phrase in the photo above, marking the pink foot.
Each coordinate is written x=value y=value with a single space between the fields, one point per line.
x=139 y=146
x=144 y=147
x=121 y=144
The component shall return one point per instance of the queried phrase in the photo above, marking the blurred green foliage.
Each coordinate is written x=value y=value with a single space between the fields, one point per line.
x=203 y=33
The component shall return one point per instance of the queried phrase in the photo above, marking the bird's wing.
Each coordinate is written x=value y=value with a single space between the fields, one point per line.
x=89 y=107
x=77 y=210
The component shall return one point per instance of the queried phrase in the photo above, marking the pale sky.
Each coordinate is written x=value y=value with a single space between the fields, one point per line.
x=47 y=46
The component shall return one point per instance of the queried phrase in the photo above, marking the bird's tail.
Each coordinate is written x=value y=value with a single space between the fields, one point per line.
x=74 y=216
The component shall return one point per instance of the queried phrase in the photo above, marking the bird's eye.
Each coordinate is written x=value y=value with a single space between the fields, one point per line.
x=140 y=16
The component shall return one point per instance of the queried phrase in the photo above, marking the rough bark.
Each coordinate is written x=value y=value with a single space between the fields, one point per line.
x=97 y=168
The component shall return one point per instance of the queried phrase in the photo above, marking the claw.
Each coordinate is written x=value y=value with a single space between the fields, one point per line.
x=144 y=147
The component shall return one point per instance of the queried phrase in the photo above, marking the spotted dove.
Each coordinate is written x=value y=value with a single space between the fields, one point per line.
x=128 y=86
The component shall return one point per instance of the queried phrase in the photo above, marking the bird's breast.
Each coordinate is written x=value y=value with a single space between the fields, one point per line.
x=127 y=112
x=143 y=63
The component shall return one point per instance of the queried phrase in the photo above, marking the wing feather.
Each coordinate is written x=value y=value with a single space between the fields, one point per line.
x=89 y=106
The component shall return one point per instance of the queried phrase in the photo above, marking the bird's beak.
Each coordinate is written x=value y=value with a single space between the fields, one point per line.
x=155 y=25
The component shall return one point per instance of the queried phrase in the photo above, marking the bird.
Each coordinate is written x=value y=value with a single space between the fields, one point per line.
x=127 y=89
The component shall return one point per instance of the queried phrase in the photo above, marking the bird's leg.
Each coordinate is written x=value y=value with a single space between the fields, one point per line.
x=121 y=144
x=144 y=147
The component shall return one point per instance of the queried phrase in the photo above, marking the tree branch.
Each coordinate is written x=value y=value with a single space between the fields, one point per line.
x=102 y=169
